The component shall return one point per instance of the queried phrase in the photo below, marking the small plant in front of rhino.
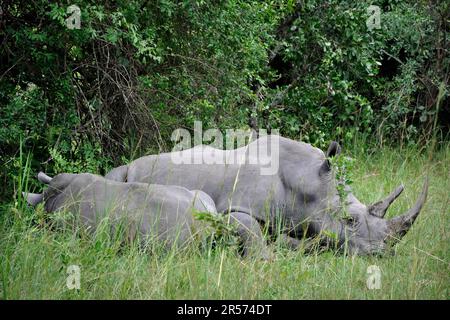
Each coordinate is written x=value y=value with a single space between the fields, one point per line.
x=223 y=232
x=343 y=170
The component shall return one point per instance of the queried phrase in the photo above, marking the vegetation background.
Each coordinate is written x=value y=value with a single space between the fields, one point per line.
x=91 y=98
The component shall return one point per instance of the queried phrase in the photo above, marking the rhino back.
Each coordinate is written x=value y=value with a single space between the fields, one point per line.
x=296 y=185
x=160 y=211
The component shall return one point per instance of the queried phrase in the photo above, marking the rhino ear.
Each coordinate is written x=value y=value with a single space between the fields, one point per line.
x=42 y=177
x=334 y=149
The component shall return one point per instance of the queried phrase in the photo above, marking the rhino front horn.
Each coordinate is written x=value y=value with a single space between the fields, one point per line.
x=399 y=226
x=379 y=208
x=42 y=177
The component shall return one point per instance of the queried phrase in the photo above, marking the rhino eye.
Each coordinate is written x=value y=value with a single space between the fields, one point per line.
x=350 y=220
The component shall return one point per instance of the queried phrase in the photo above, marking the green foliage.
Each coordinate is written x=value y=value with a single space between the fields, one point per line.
x=222 y=231
x=83 y=158
x=34 y=257
x=342 y=168
x=85 y=99
x=344 y=80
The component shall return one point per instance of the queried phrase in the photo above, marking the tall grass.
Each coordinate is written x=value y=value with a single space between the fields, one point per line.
x=34 y=258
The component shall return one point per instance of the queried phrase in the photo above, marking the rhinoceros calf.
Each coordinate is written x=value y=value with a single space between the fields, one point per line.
x=301 y=195
x=164 y=212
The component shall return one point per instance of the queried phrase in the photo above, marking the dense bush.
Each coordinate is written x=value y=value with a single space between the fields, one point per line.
x=344 y=78
x=85 y=99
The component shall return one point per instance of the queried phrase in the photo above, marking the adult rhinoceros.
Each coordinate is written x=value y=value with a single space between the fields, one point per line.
x=161 y=212
x=301 y=193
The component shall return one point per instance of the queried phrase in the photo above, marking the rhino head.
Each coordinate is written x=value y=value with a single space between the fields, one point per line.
x=369 y=232
x=34 y=199
x=366 y=231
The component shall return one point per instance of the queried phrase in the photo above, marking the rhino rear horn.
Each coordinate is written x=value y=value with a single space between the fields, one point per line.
x=33 y=198
x=380 y=208
x=42 y=177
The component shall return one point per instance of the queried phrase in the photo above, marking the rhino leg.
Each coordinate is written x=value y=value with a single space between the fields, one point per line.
x=251 y=236
x=203 y=202
x=289 y=242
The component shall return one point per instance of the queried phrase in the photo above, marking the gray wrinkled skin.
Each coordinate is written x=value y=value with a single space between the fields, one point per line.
x=301 y=196
x=148 y=211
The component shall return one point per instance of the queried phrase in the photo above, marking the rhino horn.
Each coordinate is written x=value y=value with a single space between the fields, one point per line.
x=399 y=226
x=380 y=208
x=42 y=177
x=33 y=198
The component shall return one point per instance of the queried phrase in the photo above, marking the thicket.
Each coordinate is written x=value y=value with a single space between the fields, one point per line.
x=86 y=99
